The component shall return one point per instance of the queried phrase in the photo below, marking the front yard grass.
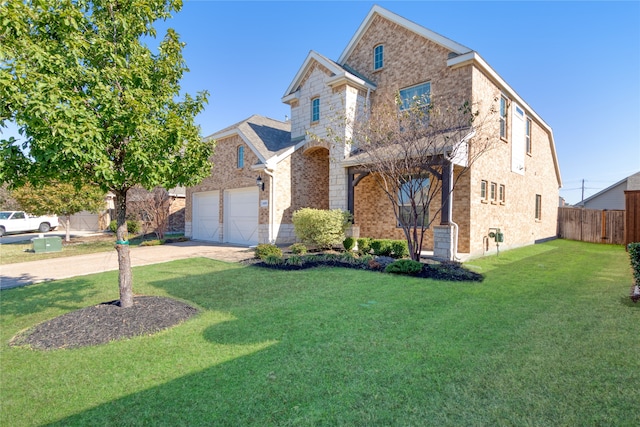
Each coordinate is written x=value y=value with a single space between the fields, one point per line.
x=549 y=337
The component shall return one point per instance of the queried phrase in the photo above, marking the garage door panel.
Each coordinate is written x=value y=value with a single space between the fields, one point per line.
x=206 y=216
x=241 y=216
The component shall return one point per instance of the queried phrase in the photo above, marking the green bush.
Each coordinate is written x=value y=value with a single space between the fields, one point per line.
x=273 y=260
x=364 y=245
x=404 y=266
x=133 y=226
x=400 y=248
x=349 y=243
x=634 y=255
x=298 y=249
x=295 y=260
x=319 y=227
x=265 y=250
x=381 y=247
x=155 y=242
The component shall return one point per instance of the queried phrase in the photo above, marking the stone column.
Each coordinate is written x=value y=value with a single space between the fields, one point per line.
x=443 y=242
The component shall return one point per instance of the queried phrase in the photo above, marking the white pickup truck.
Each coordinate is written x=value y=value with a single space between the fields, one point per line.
x=20 y=222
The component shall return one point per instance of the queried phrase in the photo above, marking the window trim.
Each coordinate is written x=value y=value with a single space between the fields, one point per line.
x=315 y=109
x=527 y=135
x=240 y=156
x=484 y=190
x=426 y=179
x=378 y=57
x=504 y=118
x=493 y=192
x=404 y=106
x=538 y=208
x=502 y=194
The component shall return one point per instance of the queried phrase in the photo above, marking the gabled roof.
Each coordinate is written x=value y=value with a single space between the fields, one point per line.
x=269 y=139
x=339 y=75
x=635 y=177
x=409 y=25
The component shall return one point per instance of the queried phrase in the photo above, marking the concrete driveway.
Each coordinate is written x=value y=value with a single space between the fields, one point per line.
x=25 y=273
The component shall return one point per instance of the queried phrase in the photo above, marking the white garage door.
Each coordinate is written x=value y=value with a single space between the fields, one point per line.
x=241 y=216
x=206 y=216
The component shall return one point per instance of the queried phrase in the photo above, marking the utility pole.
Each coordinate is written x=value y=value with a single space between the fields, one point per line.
x=582 y=201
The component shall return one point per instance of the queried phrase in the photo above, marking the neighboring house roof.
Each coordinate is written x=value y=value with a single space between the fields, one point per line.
x=463 y=56
x=339 y=74
x=612 y=197
x=269 y=139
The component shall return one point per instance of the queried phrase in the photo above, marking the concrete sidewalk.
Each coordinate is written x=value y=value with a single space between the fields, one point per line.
x=20 y=274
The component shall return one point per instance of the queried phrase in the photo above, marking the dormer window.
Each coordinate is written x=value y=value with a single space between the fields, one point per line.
x=240 y=160
x=378 y=57
x=315 y=110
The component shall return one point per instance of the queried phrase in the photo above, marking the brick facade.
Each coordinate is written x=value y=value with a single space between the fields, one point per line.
x=313 y=173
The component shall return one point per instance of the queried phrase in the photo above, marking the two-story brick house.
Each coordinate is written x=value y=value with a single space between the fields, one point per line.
x=514 y=188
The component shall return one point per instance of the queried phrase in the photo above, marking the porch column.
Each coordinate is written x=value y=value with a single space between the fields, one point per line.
x=447 y=193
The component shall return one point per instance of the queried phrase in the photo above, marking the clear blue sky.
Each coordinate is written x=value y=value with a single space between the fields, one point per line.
x=575 y=63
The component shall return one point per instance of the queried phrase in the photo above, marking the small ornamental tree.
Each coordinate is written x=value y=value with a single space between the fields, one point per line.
x=60 y=199
x=409 y=146
x=95 y=104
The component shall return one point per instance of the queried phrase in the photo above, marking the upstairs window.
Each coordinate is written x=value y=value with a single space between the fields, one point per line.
x=315 y=109
x=527 y=135
x=501 y=194
x=415 y=96
x=378 y=57
x=240 y=160
x=494 y=188
x=504 y=108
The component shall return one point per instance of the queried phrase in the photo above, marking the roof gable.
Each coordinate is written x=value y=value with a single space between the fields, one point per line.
x=338 y=74
x=267 y=138
x=409 y=25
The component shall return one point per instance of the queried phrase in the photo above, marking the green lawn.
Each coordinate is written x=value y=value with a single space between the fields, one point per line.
x=549 y=338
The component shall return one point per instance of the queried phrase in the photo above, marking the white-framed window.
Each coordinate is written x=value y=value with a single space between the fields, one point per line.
x=504 y=111
x=315 y=109
x=501 y=193
x=538 y=207
x=493 y=191
x=527 y=135
x=416 y=190
x=240 y=157
x=483 y=189
x=415 y=96
x=378 y=57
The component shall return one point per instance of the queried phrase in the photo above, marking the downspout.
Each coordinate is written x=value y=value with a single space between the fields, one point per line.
x=272 y=239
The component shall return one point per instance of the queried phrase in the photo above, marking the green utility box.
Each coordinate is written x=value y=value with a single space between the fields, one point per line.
x=47 y=244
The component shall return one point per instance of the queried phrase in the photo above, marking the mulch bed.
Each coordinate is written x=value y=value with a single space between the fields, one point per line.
x=448 y=271
x=106 y=322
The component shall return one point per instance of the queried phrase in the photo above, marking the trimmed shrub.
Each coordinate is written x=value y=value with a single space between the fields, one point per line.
x=381 y=247
x=265 y=250
x=364 y=245
x=349 y=243
x=273 y=260
x=294 y=260
x=634 y=256
x=399 y=248
x=319 y=227
x=404 y=266
x=133 y=226
x=298 y=249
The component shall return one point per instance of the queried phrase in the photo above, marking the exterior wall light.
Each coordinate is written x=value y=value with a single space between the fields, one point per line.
x=260 y=183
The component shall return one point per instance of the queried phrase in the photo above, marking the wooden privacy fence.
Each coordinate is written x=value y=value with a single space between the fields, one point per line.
x=632 y=221
x=591 y=225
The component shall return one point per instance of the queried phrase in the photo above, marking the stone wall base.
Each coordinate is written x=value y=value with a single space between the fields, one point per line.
x=443 y=242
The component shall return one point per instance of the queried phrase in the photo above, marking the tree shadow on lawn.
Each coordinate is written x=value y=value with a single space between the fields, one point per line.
x=60 y=294
x=295 y=378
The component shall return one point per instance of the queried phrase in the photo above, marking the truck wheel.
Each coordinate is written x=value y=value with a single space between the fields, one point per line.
x=2 y=231
x=44 y=227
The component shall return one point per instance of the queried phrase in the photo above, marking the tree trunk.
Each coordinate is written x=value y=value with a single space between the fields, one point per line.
x=125 y=276
x=67 y=236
